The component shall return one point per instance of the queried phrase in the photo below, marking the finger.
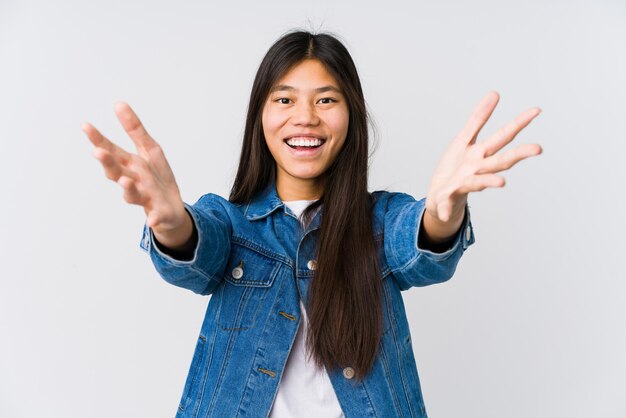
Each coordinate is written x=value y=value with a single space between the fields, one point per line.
x=133 y=126
x=131 y=192
x=506 y=160
x=99 y=140
x=481 y=114
x=112 y=168
x=508 y=132
x=479 y=182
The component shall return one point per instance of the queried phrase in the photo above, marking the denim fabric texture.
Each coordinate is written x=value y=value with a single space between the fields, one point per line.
x=253 y=260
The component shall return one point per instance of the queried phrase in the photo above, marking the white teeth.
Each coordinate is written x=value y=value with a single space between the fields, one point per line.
x=304 y=142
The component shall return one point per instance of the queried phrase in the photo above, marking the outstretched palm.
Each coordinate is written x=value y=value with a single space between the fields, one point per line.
x=468 y=166
x=146 y=177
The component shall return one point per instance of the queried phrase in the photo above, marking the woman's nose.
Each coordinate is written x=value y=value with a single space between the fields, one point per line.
x=305 y=114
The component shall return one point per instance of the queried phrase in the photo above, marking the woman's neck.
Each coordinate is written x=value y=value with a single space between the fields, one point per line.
x=298 y=189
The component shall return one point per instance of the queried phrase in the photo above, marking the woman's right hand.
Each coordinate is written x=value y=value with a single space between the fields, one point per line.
x=146 y=178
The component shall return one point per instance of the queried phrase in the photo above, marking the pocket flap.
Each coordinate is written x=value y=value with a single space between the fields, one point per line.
x=247 y=267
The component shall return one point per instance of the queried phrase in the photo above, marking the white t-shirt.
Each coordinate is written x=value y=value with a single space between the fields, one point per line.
x=305 y=391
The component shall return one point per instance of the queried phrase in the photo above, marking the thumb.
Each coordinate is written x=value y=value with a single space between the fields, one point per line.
x=152 y=220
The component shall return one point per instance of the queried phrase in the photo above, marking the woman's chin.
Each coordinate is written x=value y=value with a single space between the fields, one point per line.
x=306 y=174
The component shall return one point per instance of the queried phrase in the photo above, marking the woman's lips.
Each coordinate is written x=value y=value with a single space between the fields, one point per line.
x=305 y=140
x=304 y=146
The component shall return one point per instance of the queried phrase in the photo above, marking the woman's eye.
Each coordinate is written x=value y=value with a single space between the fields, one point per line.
x=327 y=100
x=283 y=100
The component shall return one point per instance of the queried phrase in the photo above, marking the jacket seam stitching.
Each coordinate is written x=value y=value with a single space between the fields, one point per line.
x=392 y=388
x=243 y=242
x=384 y=355
x=401 y=364
x=370 y=401
x=222 y=372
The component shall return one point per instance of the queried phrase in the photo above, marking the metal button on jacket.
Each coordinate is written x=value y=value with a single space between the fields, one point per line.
x=348 y=372
x=237 y=272
x=311 y=265
x=468 y=233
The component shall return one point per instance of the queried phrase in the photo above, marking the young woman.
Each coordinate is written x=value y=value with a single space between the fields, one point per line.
x=304 y=265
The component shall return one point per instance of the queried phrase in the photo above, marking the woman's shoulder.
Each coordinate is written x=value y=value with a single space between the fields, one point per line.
x=388 y=205
x=217 y=204
x=213 y=199
x=385 y=199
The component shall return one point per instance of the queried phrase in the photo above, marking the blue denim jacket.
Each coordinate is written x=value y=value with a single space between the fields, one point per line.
x=254 y=261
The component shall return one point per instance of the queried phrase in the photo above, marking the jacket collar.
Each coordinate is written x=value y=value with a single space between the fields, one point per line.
x=263 y=204
x=267 y=202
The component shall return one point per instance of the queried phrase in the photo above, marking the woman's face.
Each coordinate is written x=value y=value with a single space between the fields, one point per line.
x=305 y=122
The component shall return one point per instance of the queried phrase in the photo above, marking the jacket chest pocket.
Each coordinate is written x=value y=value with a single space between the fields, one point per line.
x=248 y=281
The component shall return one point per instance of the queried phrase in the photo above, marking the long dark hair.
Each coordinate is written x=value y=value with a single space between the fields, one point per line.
x=344 y=300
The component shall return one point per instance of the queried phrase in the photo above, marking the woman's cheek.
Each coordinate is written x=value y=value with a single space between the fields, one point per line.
x=273 y=119
x=339 y=125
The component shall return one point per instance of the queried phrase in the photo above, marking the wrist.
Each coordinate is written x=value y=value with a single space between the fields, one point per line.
x=437 y=231
x=178 y=237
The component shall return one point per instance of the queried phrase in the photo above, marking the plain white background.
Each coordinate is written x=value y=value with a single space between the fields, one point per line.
x=532 y=325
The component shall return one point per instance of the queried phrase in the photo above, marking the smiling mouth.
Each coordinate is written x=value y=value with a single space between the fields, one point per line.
x=304 y=143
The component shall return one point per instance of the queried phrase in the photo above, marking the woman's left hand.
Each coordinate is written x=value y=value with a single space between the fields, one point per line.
x=468 y=167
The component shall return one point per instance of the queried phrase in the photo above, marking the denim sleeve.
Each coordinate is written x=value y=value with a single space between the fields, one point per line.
x=202 y=273
x=410 y=264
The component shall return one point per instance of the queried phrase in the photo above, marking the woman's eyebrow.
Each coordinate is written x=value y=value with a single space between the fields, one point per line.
x=284 y=87
x=327 y=88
